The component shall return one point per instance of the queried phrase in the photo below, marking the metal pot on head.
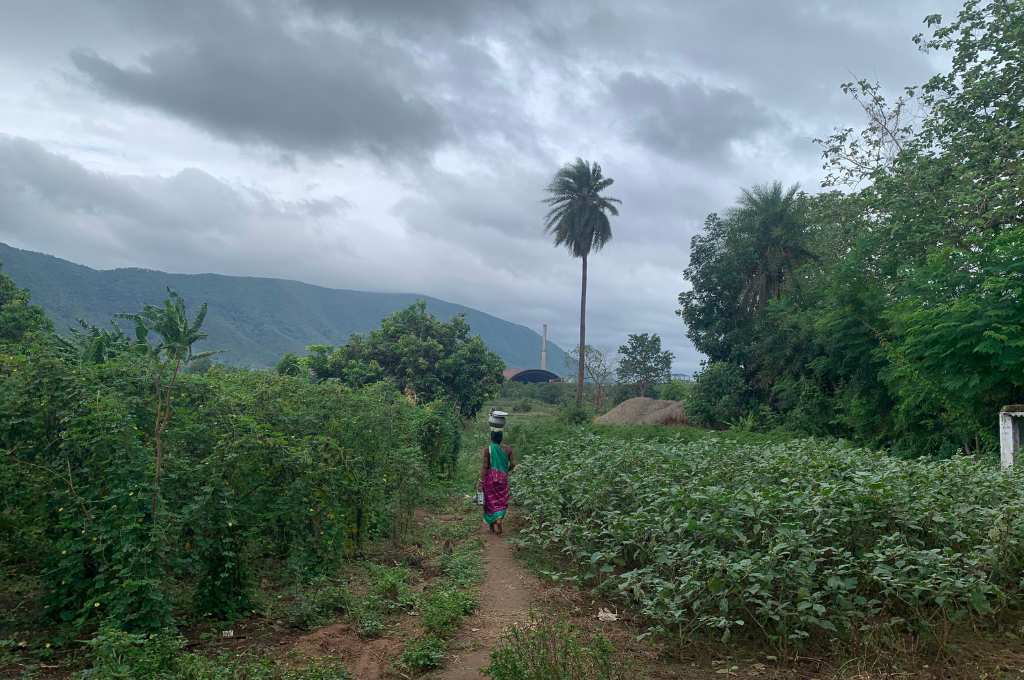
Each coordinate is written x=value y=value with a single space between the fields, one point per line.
x=497 y=420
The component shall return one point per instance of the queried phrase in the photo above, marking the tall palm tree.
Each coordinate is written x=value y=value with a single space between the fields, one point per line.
x=772 y=222
x=578 y=219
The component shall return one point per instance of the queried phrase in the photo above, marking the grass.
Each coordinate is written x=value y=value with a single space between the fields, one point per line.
x=554 y=651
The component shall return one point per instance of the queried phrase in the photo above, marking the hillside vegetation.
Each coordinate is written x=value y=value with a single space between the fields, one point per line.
x=254 y=321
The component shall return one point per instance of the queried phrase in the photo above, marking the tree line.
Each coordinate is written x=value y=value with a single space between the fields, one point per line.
x=888 y=309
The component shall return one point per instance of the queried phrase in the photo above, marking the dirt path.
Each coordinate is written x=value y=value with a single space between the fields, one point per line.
x=506 y=594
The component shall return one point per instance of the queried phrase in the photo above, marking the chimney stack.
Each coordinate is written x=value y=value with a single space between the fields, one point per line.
x=544 y=349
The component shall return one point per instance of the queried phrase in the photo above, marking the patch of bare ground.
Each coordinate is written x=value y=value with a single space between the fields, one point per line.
x=365 y=659
x=506 y=596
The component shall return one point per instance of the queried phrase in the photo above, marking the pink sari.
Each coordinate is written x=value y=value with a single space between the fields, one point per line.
x=496 y=486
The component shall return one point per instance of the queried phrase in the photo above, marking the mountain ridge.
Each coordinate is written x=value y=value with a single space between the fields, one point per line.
x=255 y=319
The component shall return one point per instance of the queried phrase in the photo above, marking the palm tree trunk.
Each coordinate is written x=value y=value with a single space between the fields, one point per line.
x=583 y=337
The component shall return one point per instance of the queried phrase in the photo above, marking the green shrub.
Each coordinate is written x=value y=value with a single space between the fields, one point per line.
x=553 y=651
x=423 y=654
x=575 y=415
x=438 y=435
x=118 y=655
x=781 y=541
x=675 y=390
x=719 y=396
x=318 y=603
x=444 y=608
x=391 y=586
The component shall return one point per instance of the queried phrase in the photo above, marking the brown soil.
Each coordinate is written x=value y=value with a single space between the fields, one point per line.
x=366 y=659
x=506 y=595
x=645 y=411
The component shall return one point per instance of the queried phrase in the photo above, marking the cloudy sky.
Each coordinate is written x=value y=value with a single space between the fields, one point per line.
x=404 y=145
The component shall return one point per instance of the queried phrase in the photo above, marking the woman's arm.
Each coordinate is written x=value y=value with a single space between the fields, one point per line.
x=511 y=459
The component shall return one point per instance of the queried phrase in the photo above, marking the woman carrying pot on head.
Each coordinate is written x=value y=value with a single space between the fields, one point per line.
x=498 y=461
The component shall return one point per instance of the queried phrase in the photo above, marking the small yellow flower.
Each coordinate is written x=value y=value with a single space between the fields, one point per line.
x=96 y=605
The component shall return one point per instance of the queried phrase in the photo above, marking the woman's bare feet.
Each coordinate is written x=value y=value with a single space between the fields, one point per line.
x=497 y=527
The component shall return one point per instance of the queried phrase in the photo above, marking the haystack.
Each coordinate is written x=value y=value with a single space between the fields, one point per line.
x=645 y=411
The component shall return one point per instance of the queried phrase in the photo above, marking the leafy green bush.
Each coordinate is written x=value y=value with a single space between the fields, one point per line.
x=256 y=468
x=553 y=651
x=438 y=434
x=780 y=541
x=719 y=395
x=675 y=390
x=317 y=603
x=391 y=586
x=118 y=655
x=424 y=653
x=444 y=608
x=575 y=415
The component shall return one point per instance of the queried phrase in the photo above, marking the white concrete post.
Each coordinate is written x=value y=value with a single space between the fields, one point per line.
x=1011 y=422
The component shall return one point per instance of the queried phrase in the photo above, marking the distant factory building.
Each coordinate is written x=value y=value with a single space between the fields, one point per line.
x=530 y=375
x=534 y=375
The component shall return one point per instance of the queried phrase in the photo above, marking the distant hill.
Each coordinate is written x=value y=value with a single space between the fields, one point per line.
x=255 y=320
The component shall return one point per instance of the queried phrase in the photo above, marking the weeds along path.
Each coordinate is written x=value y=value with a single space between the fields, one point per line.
x=506 y=595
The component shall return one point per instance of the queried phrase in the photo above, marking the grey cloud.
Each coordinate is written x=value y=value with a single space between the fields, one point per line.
x=416 y=17
x=688 y=120
x=321 y=96
x=52 y=203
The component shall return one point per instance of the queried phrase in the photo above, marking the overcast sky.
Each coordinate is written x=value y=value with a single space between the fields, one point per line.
x=404 y=145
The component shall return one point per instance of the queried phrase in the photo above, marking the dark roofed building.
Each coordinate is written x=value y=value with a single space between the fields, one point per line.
x=530 y=375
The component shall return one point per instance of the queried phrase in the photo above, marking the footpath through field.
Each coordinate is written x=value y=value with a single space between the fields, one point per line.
x=506 y=594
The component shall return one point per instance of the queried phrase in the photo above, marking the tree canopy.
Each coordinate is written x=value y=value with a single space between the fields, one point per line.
x=893 y=314
x=643 y=363
x=421 y=355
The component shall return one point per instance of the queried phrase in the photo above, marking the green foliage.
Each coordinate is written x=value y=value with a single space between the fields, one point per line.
x=570 y=414
x=719 y=395
x=255 y=321
x=424 y=653
x=290 y=364
x=317 y=603
x=391 y=585
x=118 y=655
x=898 y=320
x=444 y=608
x=18 y=318
x=675 y=390
x=578 y=218
x=430 y=359
x=257 y=468
x=547 y=650
x=643 y=363
x=125 y=656
x=785 y=542
x=438 y=435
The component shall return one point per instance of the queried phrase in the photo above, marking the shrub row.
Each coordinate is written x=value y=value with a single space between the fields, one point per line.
x=789 y=542
x=257 y=469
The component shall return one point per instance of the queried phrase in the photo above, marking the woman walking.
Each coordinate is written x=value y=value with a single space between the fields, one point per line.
x=498 y=461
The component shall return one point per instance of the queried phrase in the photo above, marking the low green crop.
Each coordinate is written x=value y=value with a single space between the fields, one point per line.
x=781 y=541
x=424 y=653
x=553 y=651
